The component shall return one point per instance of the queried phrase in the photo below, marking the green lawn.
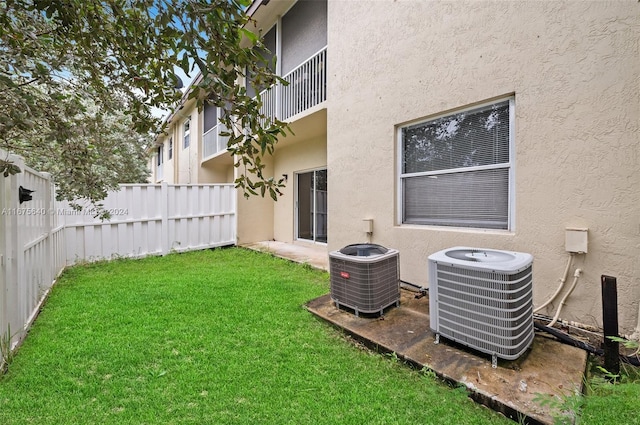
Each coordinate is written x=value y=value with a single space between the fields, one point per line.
x=607 y=403
x=221 y=337
x=217 y=337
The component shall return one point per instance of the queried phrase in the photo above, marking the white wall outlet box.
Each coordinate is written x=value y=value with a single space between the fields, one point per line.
x=367 y=225
x=576 y=240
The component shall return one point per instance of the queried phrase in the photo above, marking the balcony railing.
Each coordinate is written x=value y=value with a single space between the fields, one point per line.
x=212 y=142
x=307 y=88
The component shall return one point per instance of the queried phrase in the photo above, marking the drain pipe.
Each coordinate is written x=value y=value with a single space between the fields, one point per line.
x=576 y=276
x=562 y=281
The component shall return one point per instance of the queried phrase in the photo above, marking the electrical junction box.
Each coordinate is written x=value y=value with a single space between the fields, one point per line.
x=576 y=240
x=367 y=225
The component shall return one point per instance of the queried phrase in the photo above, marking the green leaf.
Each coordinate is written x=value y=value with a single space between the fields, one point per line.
x=121 y=59
x=8 y=168
x=253 y=38
x=184 y=64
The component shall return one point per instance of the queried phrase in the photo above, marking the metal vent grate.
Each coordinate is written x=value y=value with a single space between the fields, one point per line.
x=486 y=305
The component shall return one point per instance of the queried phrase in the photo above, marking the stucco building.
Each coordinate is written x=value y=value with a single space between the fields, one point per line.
x=469 y=123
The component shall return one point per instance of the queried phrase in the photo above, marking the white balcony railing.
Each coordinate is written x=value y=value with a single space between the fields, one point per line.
x=212 y=142
x=307 y=88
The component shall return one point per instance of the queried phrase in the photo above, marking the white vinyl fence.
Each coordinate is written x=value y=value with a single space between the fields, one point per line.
x=40 y=237
x=151 y=220
x=30 y=248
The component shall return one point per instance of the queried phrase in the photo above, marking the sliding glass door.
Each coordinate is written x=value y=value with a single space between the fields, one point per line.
x=312 y=206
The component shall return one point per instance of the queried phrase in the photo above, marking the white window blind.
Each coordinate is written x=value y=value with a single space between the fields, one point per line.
x=456 y=169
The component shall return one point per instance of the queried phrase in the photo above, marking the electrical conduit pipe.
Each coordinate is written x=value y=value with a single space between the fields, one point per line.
x=576 y=276
x=562 y=281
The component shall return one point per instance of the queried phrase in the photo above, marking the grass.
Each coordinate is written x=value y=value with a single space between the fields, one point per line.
x=612 y=404
x=215 y=337
x=608 y=403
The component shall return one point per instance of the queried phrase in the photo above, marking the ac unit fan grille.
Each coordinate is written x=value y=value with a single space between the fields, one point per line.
x=508 y=348
x=495 y=299
x=486 y=279
x=488 y=328
x=486 y=315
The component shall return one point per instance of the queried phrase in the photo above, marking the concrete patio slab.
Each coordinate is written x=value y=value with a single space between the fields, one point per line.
x=315 y=255
x=548 y=368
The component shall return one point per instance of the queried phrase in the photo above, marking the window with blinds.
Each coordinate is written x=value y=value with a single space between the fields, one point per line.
x=456 y=169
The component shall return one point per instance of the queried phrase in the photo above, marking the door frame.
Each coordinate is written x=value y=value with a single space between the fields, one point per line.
x=296 y=212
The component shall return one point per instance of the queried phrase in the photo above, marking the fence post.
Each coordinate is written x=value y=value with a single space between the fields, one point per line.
x=610 y=324
x=46 y=205
x=164 y=214
x=20 y=274
x=13 y=256
x=58 y=242
x=5 y=204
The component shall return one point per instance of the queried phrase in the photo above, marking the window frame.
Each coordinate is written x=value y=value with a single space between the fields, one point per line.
x=160 y=155
x=510 y=166
x=170 y=149
x=186 y=133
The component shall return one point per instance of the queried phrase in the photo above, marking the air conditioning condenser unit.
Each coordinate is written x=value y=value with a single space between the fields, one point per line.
x=483 y=298
x=365 y=277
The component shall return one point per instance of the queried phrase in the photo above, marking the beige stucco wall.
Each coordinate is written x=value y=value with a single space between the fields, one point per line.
x=262 y=219
x=302 y=156
x=177 y=153
x=168 y=174
x=255 y=214
x=573 y=68
x=151 y=163
x=215 y=173
x=188 y=160
x=167 y=165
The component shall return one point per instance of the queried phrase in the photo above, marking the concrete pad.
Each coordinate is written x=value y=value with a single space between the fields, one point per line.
x=314 y=255
x=548 y=367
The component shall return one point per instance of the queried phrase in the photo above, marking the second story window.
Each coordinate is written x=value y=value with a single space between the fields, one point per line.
x=186 y=138
x=171 y=148
x=160 y=149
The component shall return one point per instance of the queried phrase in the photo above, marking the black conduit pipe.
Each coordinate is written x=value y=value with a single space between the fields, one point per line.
x=580 y=344
x=418 y=287
x=634 y=361
x=569 y=340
